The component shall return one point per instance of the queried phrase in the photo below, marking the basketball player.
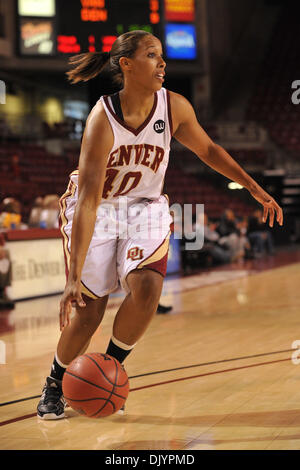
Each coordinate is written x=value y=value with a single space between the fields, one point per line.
x=124 y=155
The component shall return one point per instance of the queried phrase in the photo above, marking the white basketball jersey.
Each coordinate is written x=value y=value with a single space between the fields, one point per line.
x=138 y=160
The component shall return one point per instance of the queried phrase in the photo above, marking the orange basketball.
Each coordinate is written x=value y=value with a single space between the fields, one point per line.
x=95 y=385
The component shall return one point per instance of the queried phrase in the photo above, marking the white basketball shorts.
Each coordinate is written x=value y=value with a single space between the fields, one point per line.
x=128 y=235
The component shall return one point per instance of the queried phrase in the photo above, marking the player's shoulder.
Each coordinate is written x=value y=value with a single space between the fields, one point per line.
x=97 y=115
x=180 y=106
x=97 y=109
x=97 y=124
x=177 y=98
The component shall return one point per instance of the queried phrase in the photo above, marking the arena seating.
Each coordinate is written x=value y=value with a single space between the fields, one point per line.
x=42 y=173
x=182 y=188
x=257 y=158
x=271 y=102
x=39 y=172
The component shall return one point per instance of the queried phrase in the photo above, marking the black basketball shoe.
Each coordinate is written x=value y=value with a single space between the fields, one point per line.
x=52 y=403
x=121 y=411
x=163 y=309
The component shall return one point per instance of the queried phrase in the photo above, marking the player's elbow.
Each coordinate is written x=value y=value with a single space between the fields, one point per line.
x=207 y=152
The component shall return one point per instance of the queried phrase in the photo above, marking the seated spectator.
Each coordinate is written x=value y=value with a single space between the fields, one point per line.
x=227 y=224
x=50 y=212
x=260 y=237
x=35 y=213
x=231 y=236
x=5 y=276
x=10 y=214
x=219 y=254
x=186 y=234
x=242 y=225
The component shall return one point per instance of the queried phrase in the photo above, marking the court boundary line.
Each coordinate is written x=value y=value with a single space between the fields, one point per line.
x=211 y=363
x=207 y=373
x=31 y=415
x=169 y=370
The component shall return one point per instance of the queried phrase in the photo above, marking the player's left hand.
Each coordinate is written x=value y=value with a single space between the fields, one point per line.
x=71 y=298
x=269 y=204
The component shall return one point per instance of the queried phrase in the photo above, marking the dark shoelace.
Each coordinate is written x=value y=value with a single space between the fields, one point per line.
x=52 y=393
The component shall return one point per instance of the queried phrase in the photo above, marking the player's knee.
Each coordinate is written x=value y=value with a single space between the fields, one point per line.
x=147 y=289
x=90 y=323
x=89 y=317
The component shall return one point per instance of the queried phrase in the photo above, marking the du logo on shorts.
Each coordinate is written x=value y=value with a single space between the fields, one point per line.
x=2 y=92
x=135 y=253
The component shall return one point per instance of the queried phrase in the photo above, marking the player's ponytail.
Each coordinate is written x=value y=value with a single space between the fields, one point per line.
x=87 y=66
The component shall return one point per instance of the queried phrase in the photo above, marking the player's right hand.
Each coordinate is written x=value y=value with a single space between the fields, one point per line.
x=270 y=206
x=71 y=297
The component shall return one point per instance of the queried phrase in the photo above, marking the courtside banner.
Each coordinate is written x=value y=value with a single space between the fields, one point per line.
x=38 y=268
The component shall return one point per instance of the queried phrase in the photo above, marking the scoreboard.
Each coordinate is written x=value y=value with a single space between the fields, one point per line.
x=96 y=24
x=82 y=25
x=62 y=27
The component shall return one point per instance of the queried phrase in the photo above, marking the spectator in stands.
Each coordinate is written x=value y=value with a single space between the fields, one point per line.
x=231 y=236
x=5 y=276
x=50 y=212
x=261 y=239
x=10 y=214
x=35 y=213
x=218 y=253
x=242 y=225
x=227 y=224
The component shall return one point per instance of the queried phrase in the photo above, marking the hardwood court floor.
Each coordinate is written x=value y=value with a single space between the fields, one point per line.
x=216 y=373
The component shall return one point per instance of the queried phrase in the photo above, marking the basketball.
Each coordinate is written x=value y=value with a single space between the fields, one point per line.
x=95 y=385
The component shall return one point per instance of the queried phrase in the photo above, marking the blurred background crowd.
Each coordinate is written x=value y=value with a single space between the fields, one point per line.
x=236 y=61
x=227 y=239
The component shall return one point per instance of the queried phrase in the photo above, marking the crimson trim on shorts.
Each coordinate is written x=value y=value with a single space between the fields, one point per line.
x=62 y=226
x=131 y=129
x=91 y=292
x=159 y=266
x=154 y=262
x=169 y=112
